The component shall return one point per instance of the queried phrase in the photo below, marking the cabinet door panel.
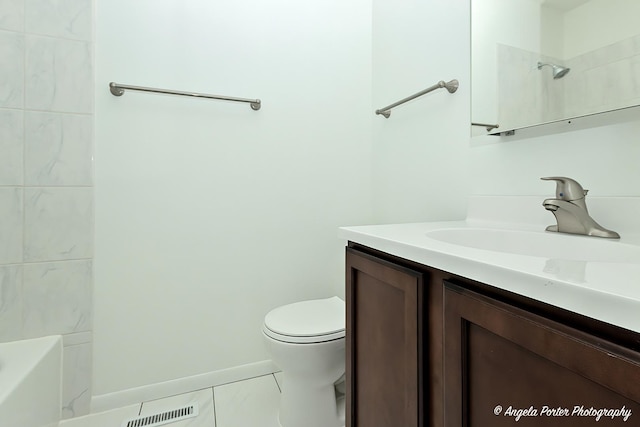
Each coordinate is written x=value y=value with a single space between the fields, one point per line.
x=384 y=318
x=499 y=359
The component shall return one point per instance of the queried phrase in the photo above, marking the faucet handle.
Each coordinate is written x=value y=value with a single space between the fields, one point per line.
x=567 y=188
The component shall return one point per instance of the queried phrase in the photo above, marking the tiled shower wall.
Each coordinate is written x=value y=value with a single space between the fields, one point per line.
x=527 y=95
x=606 y=78
x=600 y=80
x=46 y=181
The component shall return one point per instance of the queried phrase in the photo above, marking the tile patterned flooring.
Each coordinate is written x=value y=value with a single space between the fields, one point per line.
x=248 y=403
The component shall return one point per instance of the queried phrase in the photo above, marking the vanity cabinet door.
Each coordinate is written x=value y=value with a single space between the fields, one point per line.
x=383 y=343
x=505 y=366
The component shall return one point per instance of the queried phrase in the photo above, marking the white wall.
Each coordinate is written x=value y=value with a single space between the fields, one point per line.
x=599 y=23
x=209 y=214
x=552 y=31
x=420 y=152
x=604 y=160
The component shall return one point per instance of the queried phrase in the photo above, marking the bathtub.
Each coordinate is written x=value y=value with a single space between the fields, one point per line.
x=30 y=382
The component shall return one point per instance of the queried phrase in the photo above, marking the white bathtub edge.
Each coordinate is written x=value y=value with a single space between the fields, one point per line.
x=35 y=376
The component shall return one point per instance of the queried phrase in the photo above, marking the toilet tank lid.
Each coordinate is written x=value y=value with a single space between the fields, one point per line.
x=307 y=318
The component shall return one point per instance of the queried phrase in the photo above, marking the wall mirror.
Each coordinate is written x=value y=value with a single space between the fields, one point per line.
x=537 y=62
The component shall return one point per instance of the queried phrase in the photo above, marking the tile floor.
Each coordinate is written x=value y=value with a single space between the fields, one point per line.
x=248 y=403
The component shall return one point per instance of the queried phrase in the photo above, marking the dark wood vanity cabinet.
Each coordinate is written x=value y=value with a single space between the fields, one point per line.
x=505 y=365
x=384 y=343
x=429 y=348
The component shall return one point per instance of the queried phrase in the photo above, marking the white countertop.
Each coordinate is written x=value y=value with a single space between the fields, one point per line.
x=606 y=289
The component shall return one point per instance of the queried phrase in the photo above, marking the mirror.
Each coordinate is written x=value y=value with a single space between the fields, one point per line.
x=535 y=62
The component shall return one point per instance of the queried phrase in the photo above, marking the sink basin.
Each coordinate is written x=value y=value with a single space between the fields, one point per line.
x=540 y=244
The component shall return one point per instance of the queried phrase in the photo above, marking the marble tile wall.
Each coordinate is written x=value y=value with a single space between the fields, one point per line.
x=605 y=79
x=46 y=181
x=527 y=95
x=600 y=80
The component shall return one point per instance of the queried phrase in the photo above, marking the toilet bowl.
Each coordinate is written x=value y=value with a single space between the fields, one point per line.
x=306 y=341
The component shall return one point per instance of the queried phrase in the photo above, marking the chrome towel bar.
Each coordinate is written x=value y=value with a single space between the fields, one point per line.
x=486 y=125
x=451 y=86
x=118 y=90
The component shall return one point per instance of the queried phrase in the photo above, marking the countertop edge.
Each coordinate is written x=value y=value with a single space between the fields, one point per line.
x=587 y=301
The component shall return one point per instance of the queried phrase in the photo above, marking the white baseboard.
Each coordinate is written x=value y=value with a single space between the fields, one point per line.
x=132 y=396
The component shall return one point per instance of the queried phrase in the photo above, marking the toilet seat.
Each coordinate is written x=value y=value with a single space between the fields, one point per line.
x=306 y=322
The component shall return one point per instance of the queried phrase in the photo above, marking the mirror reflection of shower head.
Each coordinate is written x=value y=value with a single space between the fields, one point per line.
x=558 y=71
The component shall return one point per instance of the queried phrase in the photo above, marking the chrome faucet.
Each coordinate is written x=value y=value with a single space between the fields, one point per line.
x=570 y=210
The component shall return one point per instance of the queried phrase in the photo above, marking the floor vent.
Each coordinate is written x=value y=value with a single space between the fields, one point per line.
x=163 y=418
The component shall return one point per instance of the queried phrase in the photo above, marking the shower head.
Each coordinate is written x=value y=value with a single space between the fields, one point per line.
x=557 y=70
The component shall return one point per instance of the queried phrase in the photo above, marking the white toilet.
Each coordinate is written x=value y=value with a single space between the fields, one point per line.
x=306 y=341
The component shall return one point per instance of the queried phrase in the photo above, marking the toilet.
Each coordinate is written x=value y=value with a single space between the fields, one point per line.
x=306 y=341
